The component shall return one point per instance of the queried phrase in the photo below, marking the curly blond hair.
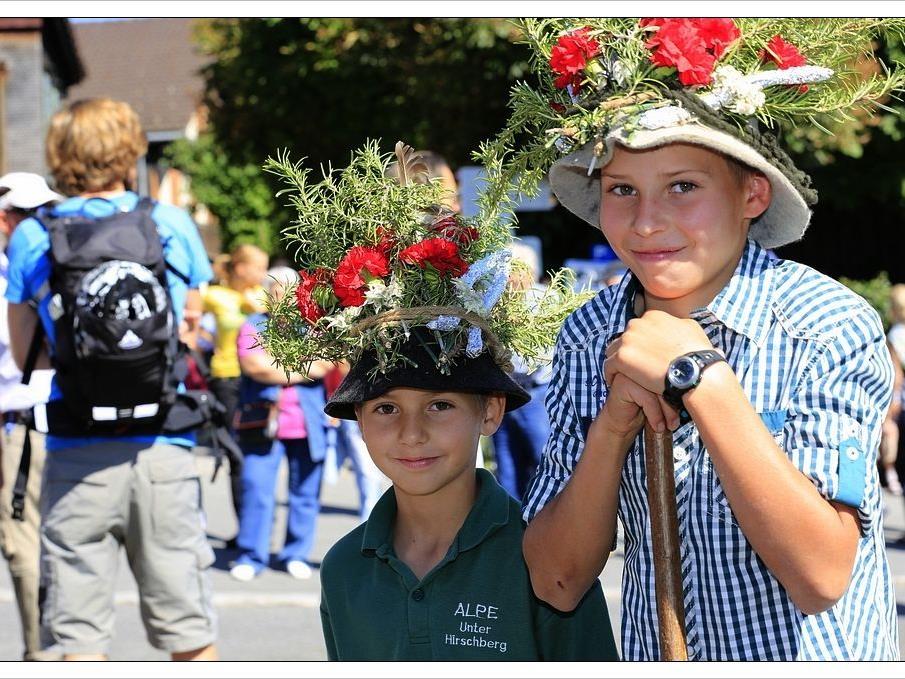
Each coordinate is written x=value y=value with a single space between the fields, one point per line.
x=93 y=144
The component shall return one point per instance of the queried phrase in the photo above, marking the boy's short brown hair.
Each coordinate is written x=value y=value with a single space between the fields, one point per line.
x=739 y=170
x=93 y=144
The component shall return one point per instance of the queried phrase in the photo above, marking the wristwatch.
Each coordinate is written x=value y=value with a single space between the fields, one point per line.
x=684 y=374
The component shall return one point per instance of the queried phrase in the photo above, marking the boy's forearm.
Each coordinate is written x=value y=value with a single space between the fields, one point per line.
x=568 y=542
x=803 y=539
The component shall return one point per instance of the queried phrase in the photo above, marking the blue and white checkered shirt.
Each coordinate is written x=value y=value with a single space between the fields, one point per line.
x=812 y=359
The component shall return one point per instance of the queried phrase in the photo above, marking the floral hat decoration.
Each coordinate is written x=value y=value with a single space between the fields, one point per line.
x=718 y=83
x=381 y=257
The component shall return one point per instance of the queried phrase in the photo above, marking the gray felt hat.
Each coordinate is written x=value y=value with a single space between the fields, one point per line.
x=785 y=221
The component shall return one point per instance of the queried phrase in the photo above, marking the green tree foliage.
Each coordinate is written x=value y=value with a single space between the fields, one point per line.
x=858 y=171
x=322 y=86
x=237 y=193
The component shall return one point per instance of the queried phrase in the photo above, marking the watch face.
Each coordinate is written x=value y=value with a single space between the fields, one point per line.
x=683 y=373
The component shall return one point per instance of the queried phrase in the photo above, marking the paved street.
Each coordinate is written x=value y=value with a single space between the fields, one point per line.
x=275 y=617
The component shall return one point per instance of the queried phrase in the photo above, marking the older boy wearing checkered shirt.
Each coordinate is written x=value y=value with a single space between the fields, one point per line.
x=773 y=378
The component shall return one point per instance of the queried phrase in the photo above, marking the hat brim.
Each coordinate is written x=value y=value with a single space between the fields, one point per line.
x=784 y=222
x=479 y=375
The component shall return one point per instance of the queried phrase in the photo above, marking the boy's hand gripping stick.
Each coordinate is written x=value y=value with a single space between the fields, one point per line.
x=661 y=499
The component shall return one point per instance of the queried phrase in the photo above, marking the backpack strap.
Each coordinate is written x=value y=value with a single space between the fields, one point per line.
x=25 y=461
x=147 y=206
x=176 y=272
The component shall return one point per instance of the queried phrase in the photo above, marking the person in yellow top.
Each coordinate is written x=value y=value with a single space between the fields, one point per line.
x=239 y=293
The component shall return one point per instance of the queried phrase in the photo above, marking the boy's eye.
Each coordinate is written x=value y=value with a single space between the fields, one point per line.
x=385 y=409
x=682 y=187
x=621 y=190
x=441 y=405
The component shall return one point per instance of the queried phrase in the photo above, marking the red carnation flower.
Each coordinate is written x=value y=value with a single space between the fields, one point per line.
x=387 y=239
x=359 y=266
x=653 y=22
x=783 y=54
x=304 y=295
x=571 y=53
x=349 y=296
x=691 y=46
x=441 y=254
x=718 y=34
x=567 y=79
x=452 y=229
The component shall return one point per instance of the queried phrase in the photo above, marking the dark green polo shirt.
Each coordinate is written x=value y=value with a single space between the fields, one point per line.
x=476 y=604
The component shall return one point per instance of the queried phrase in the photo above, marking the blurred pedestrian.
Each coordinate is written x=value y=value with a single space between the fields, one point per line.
x=238 y=294
x=518 y=444
x=344 y=442
x=21 y=194
x=113 y=478
x=889 y=439
x=892 y=458
x=278 y=419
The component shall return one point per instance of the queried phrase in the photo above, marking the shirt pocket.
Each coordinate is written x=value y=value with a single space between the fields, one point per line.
x=718 y=503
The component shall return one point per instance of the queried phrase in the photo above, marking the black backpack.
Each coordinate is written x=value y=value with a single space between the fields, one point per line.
x=117 y=355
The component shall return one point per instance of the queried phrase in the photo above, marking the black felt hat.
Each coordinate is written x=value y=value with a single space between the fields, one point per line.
x=480 y=375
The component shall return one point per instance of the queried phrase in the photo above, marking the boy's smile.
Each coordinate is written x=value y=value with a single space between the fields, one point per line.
x=678 y=216
x=425 y=440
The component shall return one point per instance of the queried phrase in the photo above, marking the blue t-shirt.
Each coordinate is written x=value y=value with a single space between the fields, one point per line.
x=29 y=270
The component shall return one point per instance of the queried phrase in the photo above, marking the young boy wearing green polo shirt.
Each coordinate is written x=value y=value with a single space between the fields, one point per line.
x=436 y=573
x=419 y=299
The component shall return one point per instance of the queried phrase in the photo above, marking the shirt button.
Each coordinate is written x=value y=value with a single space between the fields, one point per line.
x=679 y=453
x=418 y=594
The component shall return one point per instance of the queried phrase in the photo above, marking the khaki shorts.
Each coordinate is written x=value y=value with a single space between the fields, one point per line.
x=146 y=498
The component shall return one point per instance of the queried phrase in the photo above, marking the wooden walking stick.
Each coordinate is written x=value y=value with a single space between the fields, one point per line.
x=664 y=525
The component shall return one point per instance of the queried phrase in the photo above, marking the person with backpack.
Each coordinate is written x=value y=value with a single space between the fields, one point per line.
x=108 y=278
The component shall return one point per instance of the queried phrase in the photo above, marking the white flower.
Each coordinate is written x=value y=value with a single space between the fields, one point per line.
x=748 y=100
x=620 y=72
x=380 y=295
x=724 y=76
x=744 y=94
x=342 y=320
x=734 y=91
x=471 y=299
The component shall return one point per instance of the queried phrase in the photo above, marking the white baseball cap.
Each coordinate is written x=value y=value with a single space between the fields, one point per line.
x=26 y=191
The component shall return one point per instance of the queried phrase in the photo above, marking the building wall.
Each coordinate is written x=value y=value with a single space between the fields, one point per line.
x=29 y=101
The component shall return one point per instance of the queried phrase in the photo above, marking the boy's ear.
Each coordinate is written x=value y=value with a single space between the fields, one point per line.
x=494 y=408
x=758 y=194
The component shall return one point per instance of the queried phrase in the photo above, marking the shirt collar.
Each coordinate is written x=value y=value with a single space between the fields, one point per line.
x=733 y=307
x=96 y=207
x=489 y=512
x=622 y=308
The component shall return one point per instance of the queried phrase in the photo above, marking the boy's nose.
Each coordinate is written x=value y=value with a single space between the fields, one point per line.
x=412 y=429
x=649 y=216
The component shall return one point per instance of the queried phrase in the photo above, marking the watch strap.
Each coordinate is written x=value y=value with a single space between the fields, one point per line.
x=672 y=394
